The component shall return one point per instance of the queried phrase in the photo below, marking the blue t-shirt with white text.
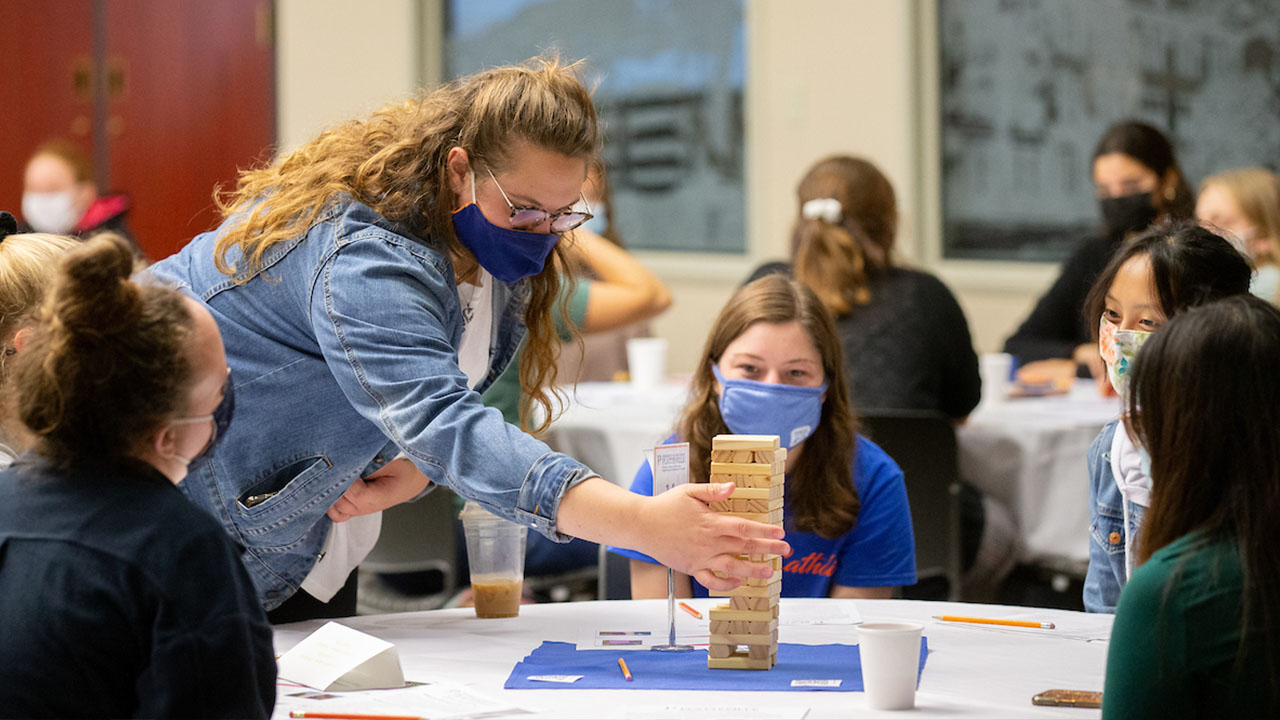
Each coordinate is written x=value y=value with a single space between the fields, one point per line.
x=878 y=552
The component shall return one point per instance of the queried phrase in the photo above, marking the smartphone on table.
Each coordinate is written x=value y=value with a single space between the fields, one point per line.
x=1069 y=698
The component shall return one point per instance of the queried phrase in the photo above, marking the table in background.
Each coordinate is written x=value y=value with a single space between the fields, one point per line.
x=1029 y=453
x=972 y=670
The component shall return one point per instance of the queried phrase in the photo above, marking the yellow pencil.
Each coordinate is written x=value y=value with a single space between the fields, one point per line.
x=626 y=673
x=992 y=621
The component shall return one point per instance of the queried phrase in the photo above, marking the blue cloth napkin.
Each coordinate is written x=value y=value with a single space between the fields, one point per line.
x=652 y=670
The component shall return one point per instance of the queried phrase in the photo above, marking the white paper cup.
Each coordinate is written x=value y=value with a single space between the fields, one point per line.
x=647 y=362
x=890 y=664
x=995 y=369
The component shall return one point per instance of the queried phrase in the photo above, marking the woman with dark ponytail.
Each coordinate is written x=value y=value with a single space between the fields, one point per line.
x=112 y=582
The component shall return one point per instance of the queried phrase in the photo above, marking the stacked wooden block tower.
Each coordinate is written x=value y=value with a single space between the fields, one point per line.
x=755 y=463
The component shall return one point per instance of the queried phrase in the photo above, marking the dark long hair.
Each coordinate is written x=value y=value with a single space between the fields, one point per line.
x=818 y=489
x=1206 y=405
x=1149 y=146
x=1189 y=266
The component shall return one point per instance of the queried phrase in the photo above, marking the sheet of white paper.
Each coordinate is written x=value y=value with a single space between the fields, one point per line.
x=670 y=466
x=715 y=712
x=796 y=612
x=335 y=657
x=436 y=700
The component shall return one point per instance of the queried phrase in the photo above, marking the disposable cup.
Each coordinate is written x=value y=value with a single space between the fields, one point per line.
x=890 y=664
x=495 y=552
x=647 y=362
x=995 y=369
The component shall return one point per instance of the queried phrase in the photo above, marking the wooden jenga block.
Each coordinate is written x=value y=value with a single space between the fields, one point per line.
x=773 y=517
x=723 y=613
x=764 y=652
x=743 y=627
x=731 y=468
x=743 y=456
x=745 y=442
x=774 y=492
x=738 y=661
x=768 y=457
x=721 y=650
x=754 y=604
x=749 y=480
x=765 y=639
x=772 y=590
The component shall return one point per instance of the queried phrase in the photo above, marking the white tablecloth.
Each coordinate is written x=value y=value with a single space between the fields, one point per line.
x=1029 y=453
x=972 y=671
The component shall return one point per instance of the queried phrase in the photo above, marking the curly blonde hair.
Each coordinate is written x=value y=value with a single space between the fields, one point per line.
x=394 y=161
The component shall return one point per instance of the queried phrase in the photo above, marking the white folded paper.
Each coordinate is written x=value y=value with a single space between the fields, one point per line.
x=337 y=658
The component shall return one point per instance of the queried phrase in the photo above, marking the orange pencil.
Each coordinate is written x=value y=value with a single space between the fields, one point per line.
x=352 y=716
x=626 y=672
x=991 y=621
x=690 y=610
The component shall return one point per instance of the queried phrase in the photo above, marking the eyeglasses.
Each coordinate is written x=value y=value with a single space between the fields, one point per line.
x=527 y=217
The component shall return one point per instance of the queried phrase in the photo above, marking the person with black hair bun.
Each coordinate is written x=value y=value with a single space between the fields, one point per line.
x=120 y=597
x=1138 y=182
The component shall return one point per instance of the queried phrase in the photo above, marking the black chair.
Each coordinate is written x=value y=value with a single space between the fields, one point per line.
x=416 y=538
x=924 y=446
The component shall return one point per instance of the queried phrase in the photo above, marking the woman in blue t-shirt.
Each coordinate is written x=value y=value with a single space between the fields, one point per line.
x=774 y=367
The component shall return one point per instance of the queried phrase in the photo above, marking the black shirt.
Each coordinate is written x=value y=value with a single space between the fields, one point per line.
x=120 y=598
x=908 y=348
x=1057 y=324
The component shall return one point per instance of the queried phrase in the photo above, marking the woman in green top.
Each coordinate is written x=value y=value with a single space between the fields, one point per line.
x=1197 y=629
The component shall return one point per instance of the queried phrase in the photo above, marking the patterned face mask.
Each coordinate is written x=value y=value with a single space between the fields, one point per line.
x=1118 y=349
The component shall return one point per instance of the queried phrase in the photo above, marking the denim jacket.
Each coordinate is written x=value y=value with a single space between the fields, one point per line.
x=1108 y=536
x=343 y=353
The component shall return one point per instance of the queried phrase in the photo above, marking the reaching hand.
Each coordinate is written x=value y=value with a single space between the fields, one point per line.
x=686 y=535
x=392 y=484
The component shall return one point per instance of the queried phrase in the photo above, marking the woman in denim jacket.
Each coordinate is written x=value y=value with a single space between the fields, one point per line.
x=1165 y=270
x=369 y=286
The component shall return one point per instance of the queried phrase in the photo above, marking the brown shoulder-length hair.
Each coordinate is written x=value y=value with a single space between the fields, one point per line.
x=108 y=359
x=1205 y=403
x=394 y=161
x=838 y=256
x=819 y=488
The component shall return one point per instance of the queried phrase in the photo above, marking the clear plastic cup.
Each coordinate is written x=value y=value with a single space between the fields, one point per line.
x=890 y=655
x=495 y=552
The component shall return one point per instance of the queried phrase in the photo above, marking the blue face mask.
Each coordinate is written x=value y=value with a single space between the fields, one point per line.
x=509 y=255
x=749 y=407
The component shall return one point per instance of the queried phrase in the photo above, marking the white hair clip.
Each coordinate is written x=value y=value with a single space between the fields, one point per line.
x=826 y=209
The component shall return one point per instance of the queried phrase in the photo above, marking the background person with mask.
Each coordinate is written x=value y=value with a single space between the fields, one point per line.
x=1244 y=205
x=1138 y=181
x=773 y=367
x=59 y=196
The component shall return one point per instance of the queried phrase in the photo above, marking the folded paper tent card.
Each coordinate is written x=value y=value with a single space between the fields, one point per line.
x=338 y=658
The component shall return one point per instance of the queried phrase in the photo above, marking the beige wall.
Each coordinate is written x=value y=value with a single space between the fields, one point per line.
x=824 y=76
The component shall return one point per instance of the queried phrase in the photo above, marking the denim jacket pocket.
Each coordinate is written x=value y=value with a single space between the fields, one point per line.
x=1108 y=531
x=282 y=495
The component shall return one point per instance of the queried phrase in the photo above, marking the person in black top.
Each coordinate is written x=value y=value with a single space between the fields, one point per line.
x=120 y=598
x=906 y=341
x=1138 y=181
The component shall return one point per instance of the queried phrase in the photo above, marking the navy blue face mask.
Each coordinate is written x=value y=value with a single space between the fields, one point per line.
x=509 y=255
x=749 y=407
x=221 y=419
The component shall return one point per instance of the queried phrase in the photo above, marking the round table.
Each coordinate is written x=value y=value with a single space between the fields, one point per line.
x=972 y=670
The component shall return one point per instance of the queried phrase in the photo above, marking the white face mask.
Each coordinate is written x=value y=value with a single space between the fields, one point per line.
x=50 y=212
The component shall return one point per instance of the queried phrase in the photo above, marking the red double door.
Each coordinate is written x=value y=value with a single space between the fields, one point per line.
x=169 y=97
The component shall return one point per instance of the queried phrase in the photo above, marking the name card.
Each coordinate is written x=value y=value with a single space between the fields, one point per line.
x=670 y=466
x=338 y=658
